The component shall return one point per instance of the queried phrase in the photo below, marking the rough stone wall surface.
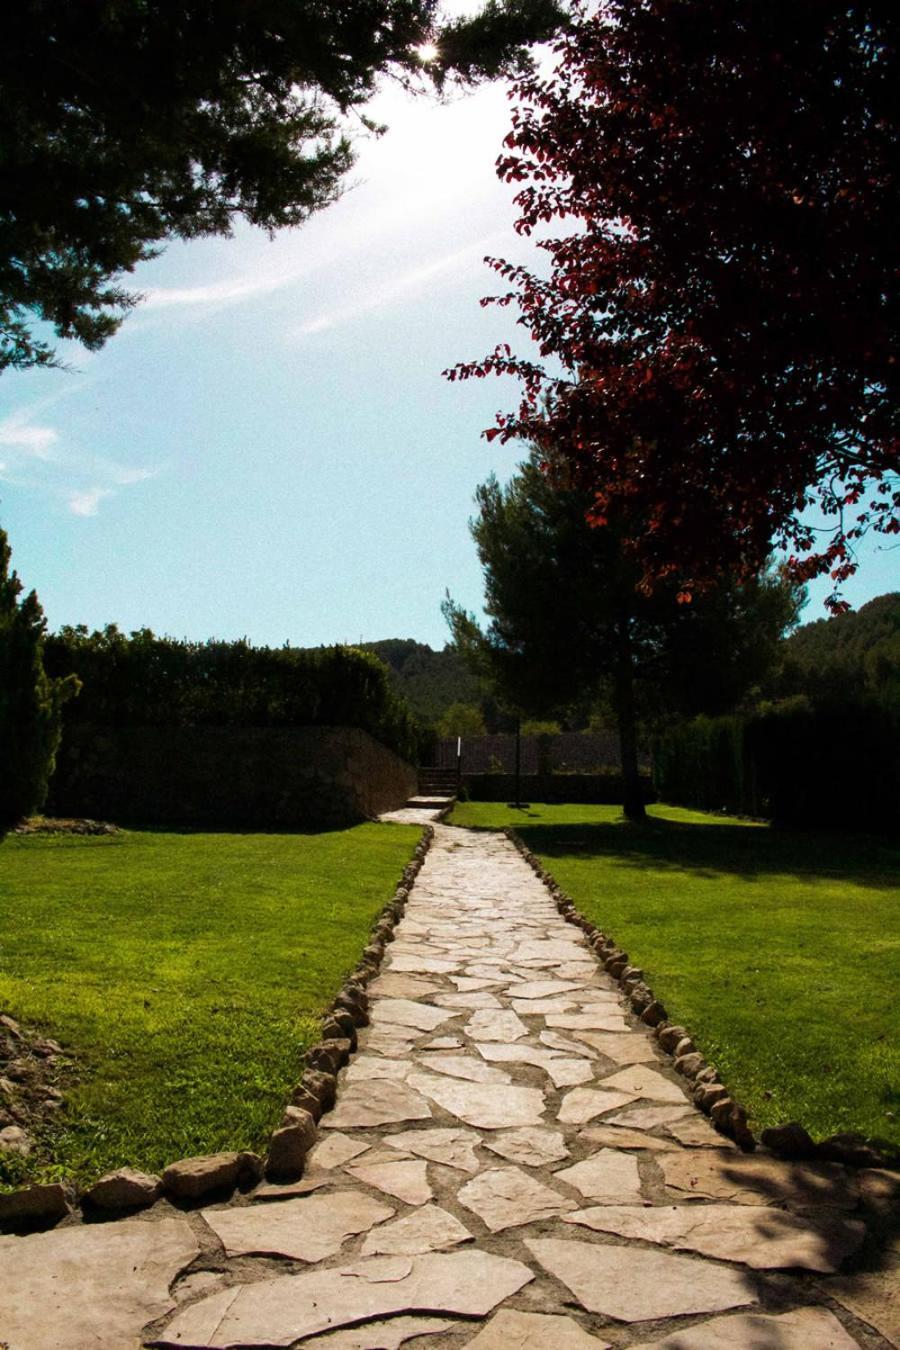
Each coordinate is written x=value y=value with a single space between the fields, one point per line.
x=246 y=777
x=562 y=787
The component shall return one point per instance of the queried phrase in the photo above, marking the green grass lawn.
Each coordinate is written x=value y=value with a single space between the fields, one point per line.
x=779 y=951
x=184 y=974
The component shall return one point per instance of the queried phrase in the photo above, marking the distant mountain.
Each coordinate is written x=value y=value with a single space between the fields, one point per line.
x=854 y=655
x=429 y=680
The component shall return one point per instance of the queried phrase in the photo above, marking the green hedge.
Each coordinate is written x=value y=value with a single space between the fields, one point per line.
x=836 y=765
x=143 y=680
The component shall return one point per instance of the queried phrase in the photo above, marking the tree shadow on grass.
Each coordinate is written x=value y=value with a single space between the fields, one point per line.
x=710 y=850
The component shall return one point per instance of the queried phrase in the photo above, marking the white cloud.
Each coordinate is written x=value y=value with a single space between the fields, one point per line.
x=35 y=441
x=87 y=502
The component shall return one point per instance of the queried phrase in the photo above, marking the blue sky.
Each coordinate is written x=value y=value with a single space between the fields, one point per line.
x=267 y=448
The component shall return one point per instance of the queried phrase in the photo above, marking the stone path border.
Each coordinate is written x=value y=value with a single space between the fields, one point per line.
x=510 y=1164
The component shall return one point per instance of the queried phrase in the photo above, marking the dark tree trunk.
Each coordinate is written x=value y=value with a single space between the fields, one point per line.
x=633 y=803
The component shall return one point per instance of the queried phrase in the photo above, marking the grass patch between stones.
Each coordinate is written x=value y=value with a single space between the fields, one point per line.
x=779 y=951
x=185 y=974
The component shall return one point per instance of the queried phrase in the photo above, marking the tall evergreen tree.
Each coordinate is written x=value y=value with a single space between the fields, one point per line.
x=30 y=701
x=568 y=622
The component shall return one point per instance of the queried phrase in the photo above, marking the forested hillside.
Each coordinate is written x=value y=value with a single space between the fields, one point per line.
x=852 y=656
x=429 y=680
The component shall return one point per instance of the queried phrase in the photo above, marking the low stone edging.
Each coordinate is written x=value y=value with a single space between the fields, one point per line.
x=190 y=1179
x=790 y=1140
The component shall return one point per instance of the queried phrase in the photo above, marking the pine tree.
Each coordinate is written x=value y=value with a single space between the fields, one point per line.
x=30 y=702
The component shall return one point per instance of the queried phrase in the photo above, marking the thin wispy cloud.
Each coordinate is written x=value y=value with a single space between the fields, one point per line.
x=39 y=459
x=400 y=289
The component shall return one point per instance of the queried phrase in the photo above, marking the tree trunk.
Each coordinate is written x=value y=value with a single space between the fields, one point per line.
x=633 y=803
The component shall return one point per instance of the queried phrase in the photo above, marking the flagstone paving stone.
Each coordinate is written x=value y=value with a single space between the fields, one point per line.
x=532 y=1146
x=607 y=1175
x=426 y=1229
x=803 y=1329
x=757 y=1236
x=721 y=1175
x=498 y=1051
x=308 y=1229
x=408 y=1181
x=277 y=1312
x=452 y=1148
x=96 y=1285
x=511 y=1330
x=505 y=1197
x=634 y=1285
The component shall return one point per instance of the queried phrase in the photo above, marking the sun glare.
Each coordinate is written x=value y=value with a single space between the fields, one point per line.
x=426 y=52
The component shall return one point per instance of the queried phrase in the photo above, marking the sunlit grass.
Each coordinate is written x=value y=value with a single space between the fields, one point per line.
x=185 y=975
x=780 y=951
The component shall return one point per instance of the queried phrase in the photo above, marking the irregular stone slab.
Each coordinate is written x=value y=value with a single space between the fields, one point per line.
x=746 y=1180
x=511 y=1330
x=408 y=1181
x=532 y=1146
x=95 y=1285
x=642 y=1081
x=757 y=1236
x=622 y=1047
x=694 y=1131
x=600 y=1019
x=391 y=985
x=380 y=1335
x=335 y=1150
x=480 y=1000
x=549 y=951
x=463 y=1066
x=650 y=1117
x=365 y=1067
x=406 y=1013
x=616 y=1136
x=470 y=984
x=608 y=1175
x=583 y=1104
x=487 y=1106
x=308 y=1229
x=452 y=1148
x=376 y=1103
x=505 y=1197
x=563 y=1072
x=541 y=1006
x=555 y=1041
x=445 y=1043
x=638 y=1286
x=429 y=1229
x=288 y=1190
x=873 y=1296
x=502 y=1026
x=391 y=1041
x=405 y=964
x=803 y=1329
x=542 y=989
x=283 y=1310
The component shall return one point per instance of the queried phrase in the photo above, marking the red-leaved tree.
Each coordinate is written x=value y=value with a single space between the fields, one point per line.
x=724 y=310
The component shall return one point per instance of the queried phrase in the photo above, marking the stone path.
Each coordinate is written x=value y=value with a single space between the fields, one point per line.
x=510 y=1165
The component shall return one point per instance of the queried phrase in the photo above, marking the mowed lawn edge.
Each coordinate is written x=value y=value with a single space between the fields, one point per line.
x=779 y=951
x=184 y=974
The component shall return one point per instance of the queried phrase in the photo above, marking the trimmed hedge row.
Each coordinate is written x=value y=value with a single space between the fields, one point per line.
x=143 y=680
x=836 y=765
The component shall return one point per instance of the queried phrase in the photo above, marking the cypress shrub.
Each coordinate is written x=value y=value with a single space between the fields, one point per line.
x=30 y=701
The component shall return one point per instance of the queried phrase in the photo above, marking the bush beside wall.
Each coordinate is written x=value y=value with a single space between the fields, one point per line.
x=228 y=777
x=834 y=766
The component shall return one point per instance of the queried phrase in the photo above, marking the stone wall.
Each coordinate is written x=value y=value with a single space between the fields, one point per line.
x=556 y=787
x=239 y=777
